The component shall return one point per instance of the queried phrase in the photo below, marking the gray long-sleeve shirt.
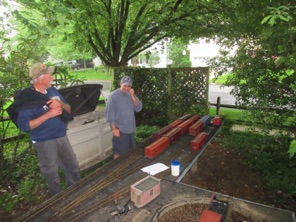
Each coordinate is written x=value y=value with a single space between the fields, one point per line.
x=121 y=111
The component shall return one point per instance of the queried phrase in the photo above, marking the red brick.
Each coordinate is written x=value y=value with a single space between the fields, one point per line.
x=173 y=134
x=161 y=132
x=209 y=216
x=196 y=128
x=157 y=147
x=197 y=143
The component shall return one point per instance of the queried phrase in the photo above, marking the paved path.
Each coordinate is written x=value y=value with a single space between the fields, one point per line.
x=222 y=91
x=106 y=86
x=214 y=92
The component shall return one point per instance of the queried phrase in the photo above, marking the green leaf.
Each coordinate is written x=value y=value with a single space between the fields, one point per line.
x=292 y=148
x=266 y=19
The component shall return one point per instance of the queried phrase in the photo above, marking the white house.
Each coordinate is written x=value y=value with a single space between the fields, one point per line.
x=200 y=51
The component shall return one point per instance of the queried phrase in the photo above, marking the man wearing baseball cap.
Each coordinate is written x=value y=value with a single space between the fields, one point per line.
x=42 y=111
x=121 y=106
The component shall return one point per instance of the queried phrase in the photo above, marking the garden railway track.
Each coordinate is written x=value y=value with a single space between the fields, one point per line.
x=96 y=195
x=67 y=205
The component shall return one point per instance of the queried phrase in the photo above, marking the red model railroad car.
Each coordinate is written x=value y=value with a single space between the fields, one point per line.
x=173 y=134
x=157 y=147
x=161 y=132
x=176 y=123
x=196 y=128
x=217 y=120
x=187 y=123
x=198 y=141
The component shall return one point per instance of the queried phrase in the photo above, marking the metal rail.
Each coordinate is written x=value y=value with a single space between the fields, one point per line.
x=121 y=193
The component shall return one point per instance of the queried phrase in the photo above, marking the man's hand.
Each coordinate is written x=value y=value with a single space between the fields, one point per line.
x=116 y=132
x=132 y=92
x=133 y=96
x=53 y=103
x=54 y=111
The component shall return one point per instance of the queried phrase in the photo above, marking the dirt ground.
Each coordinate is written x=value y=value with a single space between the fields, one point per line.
x=222 y=170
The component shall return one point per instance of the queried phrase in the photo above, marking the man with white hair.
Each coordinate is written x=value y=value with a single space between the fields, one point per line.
x=42 y=111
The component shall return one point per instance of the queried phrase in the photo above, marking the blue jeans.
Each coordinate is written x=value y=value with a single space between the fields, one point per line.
x=53 y=154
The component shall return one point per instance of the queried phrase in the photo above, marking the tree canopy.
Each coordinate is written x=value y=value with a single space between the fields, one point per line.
x=178 y=53
x=118 y=30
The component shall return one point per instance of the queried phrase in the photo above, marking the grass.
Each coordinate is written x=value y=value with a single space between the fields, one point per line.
x=100 y=74
x=231 y=114
x=91 y=74
x=221 y=79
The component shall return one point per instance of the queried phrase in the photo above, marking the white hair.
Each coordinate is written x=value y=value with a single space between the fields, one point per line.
x=35 y=80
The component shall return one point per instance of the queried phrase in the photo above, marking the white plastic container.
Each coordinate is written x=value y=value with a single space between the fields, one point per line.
x=89 y=133
x=175 y=168
x=91 y=142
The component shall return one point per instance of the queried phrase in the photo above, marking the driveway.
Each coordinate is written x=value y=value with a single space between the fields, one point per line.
x=224 y=92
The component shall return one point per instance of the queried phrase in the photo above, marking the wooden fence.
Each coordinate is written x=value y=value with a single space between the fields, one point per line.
x=168 y=93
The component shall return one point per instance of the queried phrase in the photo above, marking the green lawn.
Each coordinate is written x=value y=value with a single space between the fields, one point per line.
x=101 y=75
x=91 y=74
x=230 y=114
x=221 y=79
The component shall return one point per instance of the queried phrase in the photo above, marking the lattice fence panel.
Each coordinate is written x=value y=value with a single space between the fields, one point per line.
x=189 y=91
x=167 y=93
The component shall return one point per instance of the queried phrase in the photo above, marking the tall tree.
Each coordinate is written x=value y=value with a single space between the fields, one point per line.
x=66 y=51
x=118 y=30
x=178 y=53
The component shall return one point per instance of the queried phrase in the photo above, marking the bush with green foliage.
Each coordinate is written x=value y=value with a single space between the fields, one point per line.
x=143 y=132
x=99 y=69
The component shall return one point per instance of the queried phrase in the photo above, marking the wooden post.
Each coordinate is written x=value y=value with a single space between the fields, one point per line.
x=169 y=112
x=207 y=75
x=218 y=105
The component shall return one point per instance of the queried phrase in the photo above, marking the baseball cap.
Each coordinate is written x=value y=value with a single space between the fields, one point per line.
x=126 y=80
x=39 y=69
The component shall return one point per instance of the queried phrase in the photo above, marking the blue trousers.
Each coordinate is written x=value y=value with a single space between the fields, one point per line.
x=53 y=154
x=123 y=143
